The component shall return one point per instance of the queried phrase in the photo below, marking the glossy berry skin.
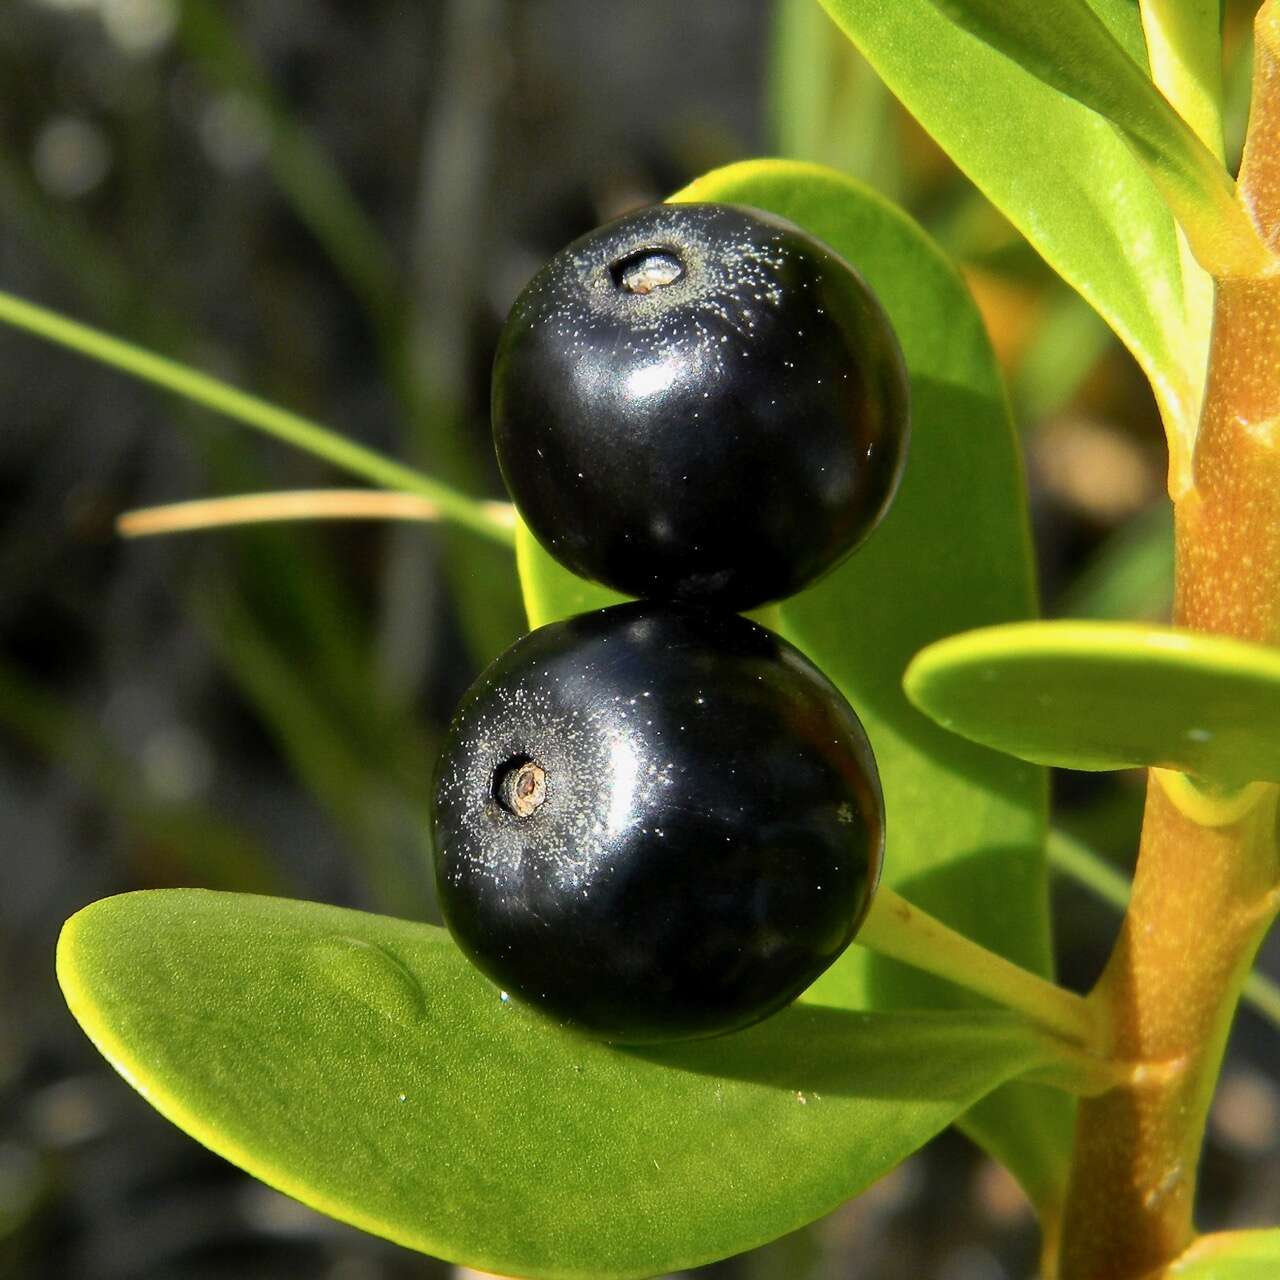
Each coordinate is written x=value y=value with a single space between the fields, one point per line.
x=655 y=823
x=699 y=402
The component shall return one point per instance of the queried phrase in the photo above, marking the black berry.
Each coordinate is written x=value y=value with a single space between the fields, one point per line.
x=655 y=823
x=699 y=403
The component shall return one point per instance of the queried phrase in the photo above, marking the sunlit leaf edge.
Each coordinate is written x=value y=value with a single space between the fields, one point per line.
x=1121 y=645
x=1229 y=1255
x=1009 y=1042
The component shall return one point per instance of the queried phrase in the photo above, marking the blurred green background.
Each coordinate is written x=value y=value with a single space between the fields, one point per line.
x=333 y=204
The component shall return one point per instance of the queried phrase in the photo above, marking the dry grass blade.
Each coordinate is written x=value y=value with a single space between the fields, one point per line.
x=301 y=504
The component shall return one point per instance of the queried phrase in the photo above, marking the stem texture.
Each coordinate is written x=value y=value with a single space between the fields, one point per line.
x=1201 y=905
x=1203 y=895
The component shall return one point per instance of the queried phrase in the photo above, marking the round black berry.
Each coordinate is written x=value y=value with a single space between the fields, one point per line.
x=699 y=402
x=655 y=823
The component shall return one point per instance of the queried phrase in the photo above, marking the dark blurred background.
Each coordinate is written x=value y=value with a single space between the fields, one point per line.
x=333 y=204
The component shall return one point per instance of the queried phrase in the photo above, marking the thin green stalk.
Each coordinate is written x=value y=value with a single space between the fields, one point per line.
x=799 y=80
x=1067 y=344
x=1264 y=996
x=1071 y=858
x=254 y=412
x=897 y=929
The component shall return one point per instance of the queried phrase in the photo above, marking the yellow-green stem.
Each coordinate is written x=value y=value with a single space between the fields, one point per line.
x=901 y=931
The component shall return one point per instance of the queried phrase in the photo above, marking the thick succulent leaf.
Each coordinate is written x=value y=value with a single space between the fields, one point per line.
x=1059 y=171
x=964 y=824
x=362 y=1065
x=1095 y=695
x=1231 y=1255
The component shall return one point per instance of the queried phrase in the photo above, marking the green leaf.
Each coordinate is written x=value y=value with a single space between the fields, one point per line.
x=1094 y=695
x=1230 y=1255
x=1067 y=45
x=962 y=822
x=551 y=592
x=1059 y=172
x=1184 y=39
x=362 y=1065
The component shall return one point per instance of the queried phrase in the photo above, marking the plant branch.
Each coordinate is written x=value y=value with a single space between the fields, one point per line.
x=250 y=410
x=1071 y=858
x=1208 y=866
x=1168 y=993
x=1088 y=1074
x=1260 y=168
x=900 y=931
